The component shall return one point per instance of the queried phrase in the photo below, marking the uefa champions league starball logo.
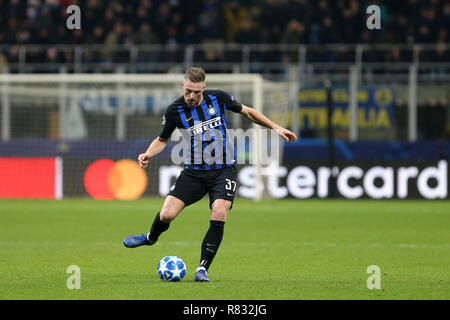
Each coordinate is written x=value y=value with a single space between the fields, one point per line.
x=171 y=268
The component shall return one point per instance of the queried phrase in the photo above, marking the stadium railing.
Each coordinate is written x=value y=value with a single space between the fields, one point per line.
x=381 y=59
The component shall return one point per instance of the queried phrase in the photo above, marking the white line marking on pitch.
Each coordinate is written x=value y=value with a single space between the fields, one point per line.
x=243 y=244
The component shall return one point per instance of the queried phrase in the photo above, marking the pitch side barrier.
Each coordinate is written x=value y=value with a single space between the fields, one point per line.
x=67 y=168
x=352 y=180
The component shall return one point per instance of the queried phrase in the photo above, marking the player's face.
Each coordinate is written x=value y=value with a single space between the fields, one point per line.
x=193 y=92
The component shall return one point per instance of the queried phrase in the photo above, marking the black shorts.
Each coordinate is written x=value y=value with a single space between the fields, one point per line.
x=192 y=185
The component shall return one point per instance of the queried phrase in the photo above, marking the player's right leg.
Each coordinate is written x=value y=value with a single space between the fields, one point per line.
x=188 y=189
x=171 y=208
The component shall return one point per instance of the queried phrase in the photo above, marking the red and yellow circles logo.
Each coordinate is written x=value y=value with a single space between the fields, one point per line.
x=106 y=179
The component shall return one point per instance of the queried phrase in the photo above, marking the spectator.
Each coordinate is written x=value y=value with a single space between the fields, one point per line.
x=445 y=20
x=424 y=35
x=212 y=61
x=295 y=33
x=3 y=62
x=191 y=36
x=234 y=12
x=324 y=9
x=68 y=57
x=141 y=18
x=109 y=19
x=328 y=32
x=246 y=32
x=116 y=36
x=442 y=35
x=301 y=10
x=146 y=35
x=187 y=22
x=351 y=21
x=210 y=22
x=343 y=54
x=441 y=53
x=13 y=55
x=77 y=36
x=273 y=13
x=172 y=36
x=394 y=55
x=99 y=35
x=162 y=21
x=52 y=60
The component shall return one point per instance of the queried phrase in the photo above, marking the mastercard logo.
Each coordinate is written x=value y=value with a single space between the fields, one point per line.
x=106 y=179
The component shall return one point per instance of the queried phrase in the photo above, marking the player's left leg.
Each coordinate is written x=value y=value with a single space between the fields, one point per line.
x=213 y=238
x=221 y=189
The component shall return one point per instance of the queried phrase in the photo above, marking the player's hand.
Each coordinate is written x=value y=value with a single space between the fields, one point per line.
x=143 y=160
x=286 y=134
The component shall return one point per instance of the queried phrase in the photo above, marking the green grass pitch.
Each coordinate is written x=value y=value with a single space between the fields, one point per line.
x=274 y=249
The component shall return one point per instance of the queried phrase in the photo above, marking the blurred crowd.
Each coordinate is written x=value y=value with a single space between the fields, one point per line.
x=171 y=22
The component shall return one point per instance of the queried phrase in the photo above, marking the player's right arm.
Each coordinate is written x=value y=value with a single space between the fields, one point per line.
x=155 y=148
x=158 y=145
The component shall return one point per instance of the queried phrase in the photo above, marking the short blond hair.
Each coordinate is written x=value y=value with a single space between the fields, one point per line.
x=195 y=74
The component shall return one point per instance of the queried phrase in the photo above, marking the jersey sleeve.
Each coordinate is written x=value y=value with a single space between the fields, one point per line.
x=168 y=124
x=230 y=102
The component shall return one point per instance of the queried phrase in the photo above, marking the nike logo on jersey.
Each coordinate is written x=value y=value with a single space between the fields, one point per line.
x=188 y=119
x=230 y=194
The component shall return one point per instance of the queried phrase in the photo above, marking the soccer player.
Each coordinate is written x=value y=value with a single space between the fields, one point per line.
x=199 y=111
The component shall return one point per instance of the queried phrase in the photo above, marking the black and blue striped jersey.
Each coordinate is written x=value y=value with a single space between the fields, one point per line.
x=206 y=127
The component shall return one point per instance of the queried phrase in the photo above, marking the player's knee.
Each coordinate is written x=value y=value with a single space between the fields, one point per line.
x=167 y=215
x=219 y=213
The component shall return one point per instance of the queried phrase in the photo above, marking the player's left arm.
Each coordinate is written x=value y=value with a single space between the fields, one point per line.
x=258 y=118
